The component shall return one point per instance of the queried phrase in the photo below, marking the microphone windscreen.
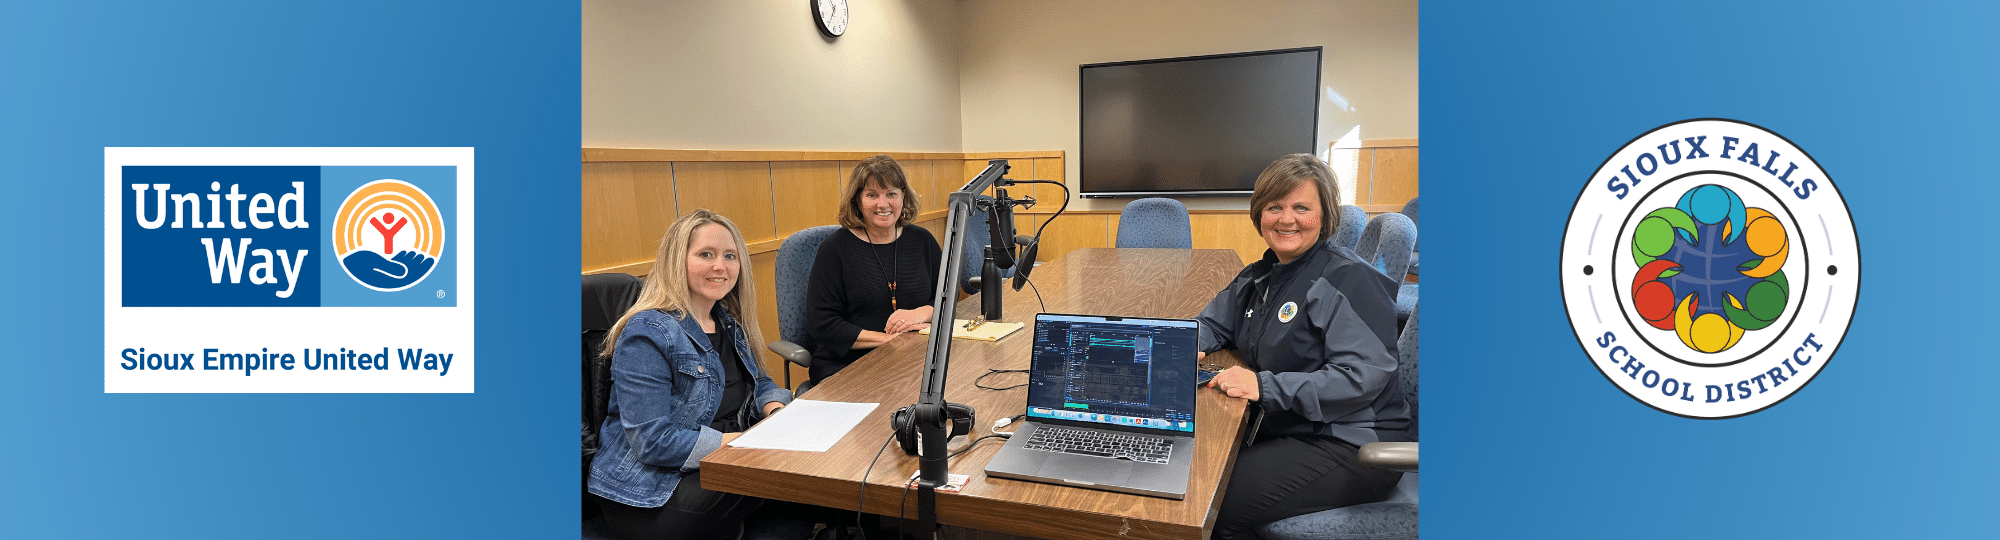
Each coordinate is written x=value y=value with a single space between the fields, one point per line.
x=1027 y=261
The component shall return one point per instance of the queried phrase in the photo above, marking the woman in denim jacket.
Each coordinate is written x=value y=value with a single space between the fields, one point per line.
x=684 y=382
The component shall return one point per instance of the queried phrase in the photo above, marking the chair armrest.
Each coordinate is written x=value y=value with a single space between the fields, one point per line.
x=793 y=352
x=1394 y=456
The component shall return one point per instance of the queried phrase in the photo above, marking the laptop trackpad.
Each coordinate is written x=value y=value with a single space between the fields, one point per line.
x=1086 y=468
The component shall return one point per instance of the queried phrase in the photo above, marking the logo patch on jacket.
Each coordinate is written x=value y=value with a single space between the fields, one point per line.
x=1287 y=311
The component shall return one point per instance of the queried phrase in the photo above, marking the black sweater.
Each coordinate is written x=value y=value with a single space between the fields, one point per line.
x=849 y=291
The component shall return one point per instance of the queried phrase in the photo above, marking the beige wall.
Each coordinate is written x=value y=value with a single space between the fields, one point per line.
x=1018 y=63
x=758 y=75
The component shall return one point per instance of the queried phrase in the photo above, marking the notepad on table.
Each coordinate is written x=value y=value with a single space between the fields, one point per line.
x=987 y=331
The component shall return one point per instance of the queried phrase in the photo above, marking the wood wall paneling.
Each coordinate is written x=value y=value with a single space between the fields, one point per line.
x=740 y=191
x=629 y=203
x=1048 y=197
x=1228 y=231
x=1396 y=174
x=1071 y=232
x=804 y=194
x=627 y=207
x=764 y=269
x=923 y=181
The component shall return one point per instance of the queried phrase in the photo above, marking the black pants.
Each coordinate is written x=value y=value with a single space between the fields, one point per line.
x=1288 y=476
x=821 y=369
x=692 y=512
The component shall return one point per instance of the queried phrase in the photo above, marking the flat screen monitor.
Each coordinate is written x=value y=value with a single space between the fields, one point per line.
x=1195 y=126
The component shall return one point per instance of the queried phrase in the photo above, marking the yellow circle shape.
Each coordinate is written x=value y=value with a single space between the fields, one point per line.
x=1710 y=333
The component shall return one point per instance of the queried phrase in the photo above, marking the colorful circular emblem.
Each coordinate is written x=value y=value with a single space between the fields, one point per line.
x=1710 y=268
x=388 y=235
x=1287 y=311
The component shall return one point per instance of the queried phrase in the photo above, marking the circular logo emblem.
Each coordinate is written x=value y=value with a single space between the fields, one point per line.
x=388 y=235
x=1710 y=268
x=1287 y=311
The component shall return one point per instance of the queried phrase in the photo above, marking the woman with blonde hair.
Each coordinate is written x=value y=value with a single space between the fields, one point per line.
x=685 y=381
x=1316 y=328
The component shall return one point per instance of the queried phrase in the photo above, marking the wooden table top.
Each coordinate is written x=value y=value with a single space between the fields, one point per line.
x=1168 y=283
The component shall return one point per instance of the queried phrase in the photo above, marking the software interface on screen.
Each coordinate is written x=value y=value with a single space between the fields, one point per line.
x=1135 y=372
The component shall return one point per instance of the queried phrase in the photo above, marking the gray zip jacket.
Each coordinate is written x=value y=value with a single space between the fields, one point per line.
x=1321 y=334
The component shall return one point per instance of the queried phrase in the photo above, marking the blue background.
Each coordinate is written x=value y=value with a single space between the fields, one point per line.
x=438 y=183
x=1521 y=102
x=169 y=266
x=497 y=76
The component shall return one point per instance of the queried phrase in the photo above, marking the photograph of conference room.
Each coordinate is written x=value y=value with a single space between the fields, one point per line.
x=812 y=142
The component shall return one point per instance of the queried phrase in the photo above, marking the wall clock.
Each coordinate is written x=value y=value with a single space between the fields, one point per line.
x=831 y=16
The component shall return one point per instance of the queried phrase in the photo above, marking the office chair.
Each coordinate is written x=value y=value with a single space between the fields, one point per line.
x=976 y=239
x=1410 y=210
x=1348 y=230
x=605 y=299
x=1155 y=222
x=1395 y=518
x=1386 y=244
x=795 y=263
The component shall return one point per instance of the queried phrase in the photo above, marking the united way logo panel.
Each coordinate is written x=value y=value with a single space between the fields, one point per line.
x=1710 y=268
x=322 y=270
x=255 y=236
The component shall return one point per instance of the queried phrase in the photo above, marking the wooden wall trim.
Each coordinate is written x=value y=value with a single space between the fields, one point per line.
x=595 y=155
x=1375 y=143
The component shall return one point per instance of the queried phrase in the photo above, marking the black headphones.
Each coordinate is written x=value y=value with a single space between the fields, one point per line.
x=905 y=424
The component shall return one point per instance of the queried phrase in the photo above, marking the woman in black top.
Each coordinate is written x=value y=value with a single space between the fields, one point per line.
x=874 y=280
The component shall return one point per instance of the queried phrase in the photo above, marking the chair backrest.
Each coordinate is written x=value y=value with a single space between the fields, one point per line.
x=975 y=248
x=1410 y=210
x=1406 y=367
x=1386 y=244
x=1348 y=230
x=606 y=297
x=794 y=270
x=1155 y=222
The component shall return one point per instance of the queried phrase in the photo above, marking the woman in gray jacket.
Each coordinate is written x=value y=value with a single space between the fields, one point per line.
x=1316 y=327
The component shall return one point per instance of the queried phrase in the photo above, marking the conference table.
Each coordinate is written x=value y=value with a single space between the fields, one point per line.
x=1167 y=283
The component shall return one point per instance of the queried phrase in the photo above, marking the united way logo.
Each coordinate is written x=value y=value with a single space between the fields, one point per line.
x=372 y=220
x=288 y=269
x=1710 y=268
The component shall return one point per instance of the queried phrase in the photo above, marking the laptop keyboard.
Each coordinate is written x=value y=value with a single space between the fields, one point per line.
x=1138 y=448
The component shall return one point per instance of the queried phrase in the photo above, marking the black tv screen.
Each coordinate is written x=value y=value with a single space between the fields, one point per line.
x=1195 y=126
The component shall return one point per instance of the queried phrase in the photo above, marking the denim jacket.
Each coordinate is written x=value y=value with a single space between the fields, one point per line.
x=666 y=385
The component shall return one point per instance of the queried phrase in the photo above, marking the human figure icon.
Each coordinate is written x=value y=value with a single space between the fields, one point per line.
x=388 y=232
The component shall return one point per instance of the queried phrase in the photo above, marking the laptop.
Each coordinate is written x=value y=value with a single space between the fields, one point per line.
x=1111 y=403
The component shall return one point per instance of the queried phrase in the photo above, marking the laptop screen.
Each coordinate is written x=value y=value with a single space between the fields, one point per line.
x=1120 y=371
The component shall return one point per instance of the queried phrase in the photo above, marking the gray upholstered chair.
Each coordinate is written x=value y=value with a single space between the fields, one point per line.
x=1347 y=230
x=1387 y=244
x=794 y=270
x=1395 y=518
x=1155 y=222
x=976 y=240
x=1410 y=210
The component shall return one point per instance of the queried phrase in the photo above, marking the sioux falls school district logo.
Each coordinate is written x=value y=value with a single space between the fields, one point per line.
x=1710 y=268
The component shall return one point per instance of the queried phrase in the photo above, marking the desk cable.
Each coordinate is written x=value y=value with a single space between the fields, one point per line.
x=863 y=499
x=991 y=372
x=1038 y=291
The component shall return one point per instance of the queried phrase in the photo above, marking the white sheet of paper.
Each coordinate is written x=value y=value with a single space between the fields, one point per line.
x=812 y=426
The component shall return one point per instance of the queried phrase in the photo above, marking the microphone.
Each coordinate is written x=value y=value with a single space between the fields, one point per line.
x=1029 y=245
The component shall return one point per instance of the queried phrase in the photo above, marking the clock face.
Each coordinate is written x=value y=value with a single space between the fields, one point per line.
x=831 y=15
